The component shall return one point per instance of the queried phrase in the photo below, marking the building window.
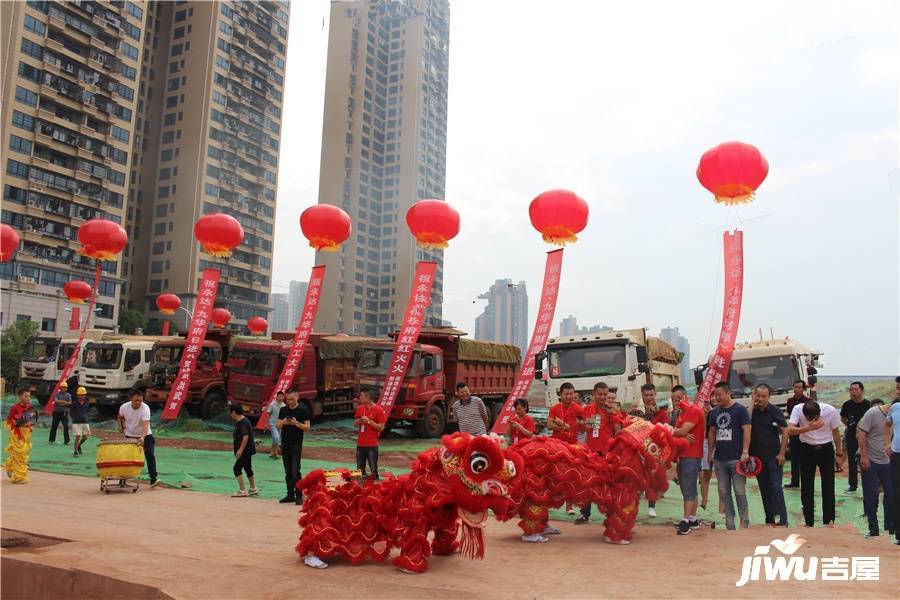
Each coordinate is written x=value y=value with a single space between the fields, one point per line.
x=128 y=50
x=26 y=96
x=158 y=247
x=20 y=145
x=21 y=318
x=168 y=137
x=155 y=285
x=16 y=169
x=180 y=16
x=35 y=26
x=32 y=49
x=165 y=173
x=177 y=49
x=156 y=266
x=134 y=11
x=178 y=33
x=120 y=134
x=162 y=192
x=48 y=324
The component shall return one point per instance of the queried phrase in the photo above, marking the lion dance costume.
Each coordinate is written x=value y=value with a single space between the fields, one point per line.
x=18 y=435
x=448 y=492
x=556 y=472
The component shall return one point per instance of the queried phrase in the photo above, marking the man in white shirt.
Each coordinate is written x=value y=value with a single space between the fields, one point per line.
x=134 y=423
x=820 y=441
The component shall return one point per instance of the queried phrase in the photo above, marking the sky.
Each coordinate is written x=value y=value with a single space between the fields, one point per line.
x=617 y=101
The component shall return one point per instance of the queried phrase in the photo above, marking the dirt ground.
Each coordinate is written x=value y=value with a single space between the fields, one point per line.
x=195 y=545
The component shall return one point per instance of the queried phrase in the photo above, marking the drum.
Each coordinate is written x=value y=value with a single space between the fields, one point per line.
x=119 y=459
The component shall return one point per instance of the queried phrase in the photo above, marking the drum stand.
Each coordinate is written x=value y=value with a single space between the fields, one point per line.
x=119 y=484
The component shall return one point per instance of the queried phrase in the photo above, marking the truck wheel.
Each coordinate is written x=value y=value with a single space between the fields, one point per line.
x=432 y=424
x=213 y=406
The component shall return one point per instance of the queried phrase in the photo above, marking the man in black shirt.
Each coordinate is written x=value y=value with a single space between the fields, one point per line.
x=851 y=413
x=61 y=412
x=768 y=443
x=244 y=449
x=293 y=420
x=80 y=428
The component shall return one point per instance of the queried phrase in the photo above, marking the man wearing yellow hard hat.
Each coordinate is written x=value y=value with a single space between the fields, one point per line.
x=80 y=428
x=61 y=413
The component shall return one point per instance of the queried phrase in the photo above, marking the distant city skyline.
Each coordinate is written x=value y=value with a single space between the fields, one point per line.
x=505 y=317
x=681 y=343
x=569 y=326
x=280 y=313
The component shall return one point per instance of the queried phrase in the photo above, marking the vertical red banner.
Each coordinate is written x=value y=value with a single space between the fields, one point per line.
x=408 y=335
x=70 y=363
x=549 y=293
x=193 y=342
x=731 y=315
x=75 y=319
x=165 y=328
x=301 y=336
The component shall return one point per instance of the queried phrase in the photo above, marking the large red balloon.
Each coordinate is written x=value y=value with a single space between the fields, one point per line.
x=9 y=242
x=732 y=171
x=168 y=303
x=433 y=223
x=559 y=215
x=77 y=291
x=102 y=239
x=325 y=226
x=218 y=233
x=220 y=317
x=257 y=325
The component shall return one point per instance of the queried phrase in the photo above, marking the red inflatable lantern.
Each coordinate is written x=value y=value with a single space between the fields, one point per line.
x=220 y=317
x=257 y=325
x=732 y=171
x=102 y=239
x=77 y=291
x=433 y=223
x=559 y=215
x=325 y=226
x=168 y=303
x=9 y=242
x=218 y=233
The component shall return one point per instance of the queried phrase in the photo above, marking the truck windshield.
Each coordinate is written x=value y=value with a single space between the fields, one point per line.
x=102 y=357
x=587 y=361
x=252 y=363
x=779 y=372
x=169 y=355
x=38 y=350
x=64 y=353
x=375 y=362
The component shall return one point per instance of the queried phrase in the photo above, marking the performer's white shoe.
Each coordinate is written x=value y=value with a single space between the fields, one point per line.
x=534 y=538
x=315 y=562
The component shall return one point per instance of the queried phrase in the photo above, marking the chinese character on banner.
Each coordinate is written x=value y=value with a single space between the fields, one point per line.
x=549 y=292
x=404 y=345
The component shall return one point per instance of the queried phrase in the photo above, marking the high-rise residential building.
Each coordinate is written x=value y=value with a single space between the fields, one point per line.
x=280 y=313
x=384 y=140
x=505 y=318
x=569 y=326
x=208 y=133
x=296 y=299
x=674 y=337
x=71 y=76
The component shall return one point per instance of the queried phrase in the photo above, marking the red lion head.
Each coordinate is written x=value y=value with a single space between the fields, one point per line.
x=479 y=470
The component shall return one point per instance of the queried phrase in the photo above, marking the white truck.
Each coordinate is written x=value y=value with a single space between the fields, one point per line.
x=775 y=362
x=623 y=359
x=44 y=357
x=113 y=366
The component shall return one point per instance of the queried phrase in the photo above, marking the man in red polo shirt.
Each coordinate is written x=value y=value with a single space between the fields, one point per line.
x=564 y=418
x=691 y=425
x=369 y=420
x=601 y=423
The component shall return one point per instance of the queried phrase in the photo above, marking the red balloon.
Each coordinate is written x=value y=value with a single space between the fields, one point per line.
x=77 y=291
x=558 y=215
x=102 y=239
x=9 y=242
x=168 y=303
x=325 y=226
x=220 y=317
x=732 y=171
x=257 y=325
x=218 y=233
x=433 y=223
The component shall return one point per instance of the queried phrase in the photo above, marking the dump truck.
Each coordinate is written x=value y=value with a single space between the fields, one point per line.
x=326 y=379
x=441 y=358
x=208 y=386
x=44 y=357
x=624 y=359
x=775 y=362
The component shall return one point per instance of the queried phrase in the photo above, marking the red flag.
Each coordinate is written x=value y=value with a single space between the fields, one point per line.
x=408 y=335
x=731 y=315
x=193 y=342
x=301 y=336
x=70 y=363
x=546 y=310
x=75 y=320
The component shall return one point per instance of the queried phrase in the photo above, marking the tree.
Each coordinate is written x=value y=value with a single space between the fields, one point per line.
x=12 y=344
x=131 y=320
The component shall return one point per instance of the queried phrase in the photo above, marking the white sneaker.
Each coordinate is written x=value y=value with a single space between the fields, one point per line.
x=534 y=538
x=618 y=543
x=315 y=562
x=651 y=512
x=551 y=530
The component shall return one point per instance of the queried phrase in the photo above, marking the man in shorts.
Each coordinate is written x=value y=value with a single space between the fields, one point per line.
x=78 y=411
x=691 y=425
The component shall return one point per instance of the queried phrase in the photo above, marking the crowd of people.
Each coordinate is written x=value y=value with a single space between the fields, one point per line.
x=725 y=438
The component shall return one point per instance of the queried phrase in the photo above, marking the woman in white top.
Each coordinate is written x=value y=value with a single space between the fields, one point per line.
x=273 y=408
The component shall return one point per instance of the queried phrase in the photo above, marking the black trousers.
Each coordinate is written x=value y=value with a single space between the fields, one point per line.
x=851 y=447
x=819 y=456
x=290 y=458
x=794 y=445
x=367 y=455
x=150 y=456
x=895 y=482
x=245 y=464
x=59 y=419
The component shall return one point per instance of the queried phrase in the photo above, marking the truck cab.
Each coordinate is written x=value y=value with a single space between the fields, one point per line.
x=110 y=368
x=777 y=363
x=43 y=360
x=624 y=360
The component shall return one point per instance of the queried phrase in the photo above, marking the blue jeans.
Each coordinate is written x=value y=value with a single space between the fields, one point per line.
x=770 y=482
x=728 y=478
x=873 y=476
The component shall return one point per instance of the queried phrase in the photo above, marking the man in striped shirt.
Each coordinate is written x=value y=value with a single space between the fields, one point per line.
x=471 y=413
